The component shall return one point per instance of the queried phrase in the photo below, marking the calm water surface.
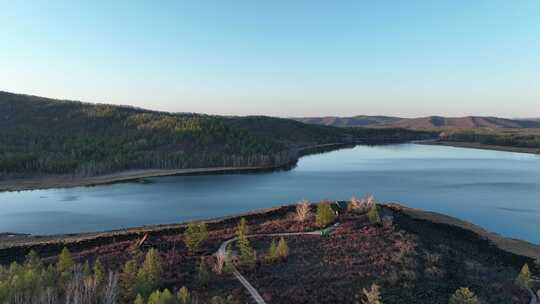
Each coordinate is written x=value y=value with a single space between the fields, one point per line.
x=497 y=190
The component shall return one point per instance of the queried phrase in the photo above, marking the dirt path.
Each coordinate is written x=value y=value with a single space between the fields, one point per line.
x=533 y=297
x=222 y=251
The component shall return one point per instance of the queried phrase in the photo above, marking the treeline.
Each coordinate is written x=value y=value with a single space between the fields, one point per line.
x=525 y=138
x=388 y=135
x=58 y=137
x=47 y=136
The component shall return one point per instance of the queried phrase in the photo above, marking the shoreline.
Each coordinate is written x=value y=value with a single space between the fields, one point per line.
x=67 y=181
x=62 y=181
x=480 y=146
x=512 y=245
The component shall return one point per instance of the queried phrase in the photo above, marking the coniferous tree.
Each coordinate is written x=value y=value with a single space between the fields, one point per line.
x=64 y=266
x=99 y=272
x=203 y=274
x=247 y=257
x=87 y=272
x=325 y=215
x=524 y=278
x=373 y=214
x=161 y=297
x=33 y=261
x=65 y=261
x=194 y=235
x=282 y=249
x=183 y=295
x=149 y=275
x=128 y=278
x=139 y=300
x=272 y=251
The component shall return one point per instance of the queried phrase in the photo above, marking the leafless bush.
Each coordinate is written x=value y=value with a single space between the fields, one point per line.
x=434 y=272
x=219 y=264
x=372 y=295
x=354 y=205
x=361 y=205
x=432 y=259
x=432 y=268
x=303 y=211
x=388 y=222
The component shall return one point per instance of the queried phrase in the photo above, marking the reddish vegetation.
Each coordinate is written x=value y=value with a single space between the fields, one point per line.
x=357 y=254
x=412 y=261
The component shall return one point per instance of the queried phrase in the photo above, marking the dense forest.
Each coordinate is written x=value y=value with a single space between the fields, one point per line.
x=47 y=136
x=524 y=138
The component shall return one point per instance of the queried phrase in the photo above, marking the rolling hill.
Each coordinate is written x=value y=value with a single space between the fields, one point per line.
x=354 y=121
x=423 y=123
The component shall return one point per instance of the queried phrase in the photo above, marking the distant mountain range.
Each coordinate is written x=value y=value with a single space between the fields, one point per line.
x=430 y=122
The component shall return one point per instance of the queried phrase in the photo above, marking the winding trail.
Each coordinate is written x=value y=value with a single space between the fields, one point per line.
x=222 y=251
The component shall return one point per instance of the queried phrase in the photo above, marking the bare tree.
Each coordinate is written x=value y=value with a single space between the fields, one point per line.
x=49 y=296
x=81 y=290
x=110 y=291
x=220 y=262
x=361 y=205
x=303 y=211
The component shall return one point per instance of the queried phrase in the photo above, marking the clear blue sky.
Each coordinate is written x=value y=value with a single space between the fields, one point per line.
x=284 y=58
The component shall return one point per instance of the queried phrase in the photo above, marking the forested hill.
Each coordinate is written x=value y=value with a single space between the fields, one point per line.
x=47 y=136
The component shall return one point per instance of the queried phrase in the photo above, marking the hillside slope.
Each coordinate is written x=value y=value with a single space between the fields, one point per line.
x=354 y=121
x=57 y=137
x=469 y=122
x=47 y=136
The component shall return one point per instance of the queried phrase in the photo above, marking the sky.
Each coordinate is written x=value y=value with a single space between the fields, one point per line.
x=281 y=57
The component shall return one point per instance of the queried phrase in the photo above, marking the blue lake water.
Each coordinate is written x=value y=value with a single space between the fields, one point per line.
x=499 y=191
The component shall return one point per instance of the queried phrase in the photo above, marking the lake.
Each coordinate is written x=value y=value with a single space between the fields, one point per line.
x=499 y=191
